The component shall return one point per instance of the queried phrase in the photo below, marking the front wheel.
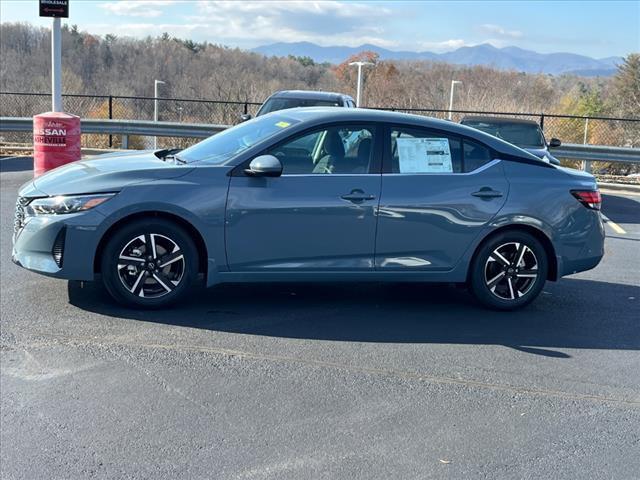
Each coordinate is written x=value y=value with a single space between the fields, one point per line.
x=509 y=271
x=149 y=264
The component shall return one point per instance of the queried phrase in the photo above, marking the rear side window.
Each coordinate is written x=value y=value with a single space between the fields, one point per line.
x=417 y=150
x=475 y=155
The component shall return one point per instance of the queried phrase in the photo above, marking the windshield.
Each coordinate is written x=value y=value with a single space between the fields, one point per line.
x=275 y=104
x=520 y=134
x=222 y=146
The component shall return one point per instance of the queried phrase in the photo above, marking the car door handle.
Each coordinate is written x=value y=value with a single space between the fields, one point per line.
x=487 y=192
x=357 y=196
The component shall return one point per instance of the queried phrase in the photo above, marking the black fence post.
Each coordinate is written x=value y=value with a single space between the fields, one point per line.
x=246 y=108
x=110 y=118
x=542 y=122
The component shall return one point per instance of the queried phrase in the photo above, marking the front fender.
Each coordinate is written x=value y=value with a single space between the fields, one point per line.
x=201 y=207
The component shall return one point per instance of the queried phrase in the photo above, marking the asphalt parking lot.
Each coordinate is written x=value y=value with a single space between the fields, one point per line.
x=323 y=381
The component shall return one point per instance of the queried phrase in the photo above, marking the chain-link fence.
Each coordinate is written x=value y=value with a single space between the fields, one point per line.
x=609 y=131
x=622 y=132
x=125 y=108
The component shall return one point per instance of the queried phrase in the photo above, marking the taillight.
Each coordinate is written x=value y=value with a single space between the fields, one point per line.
x=589 y=198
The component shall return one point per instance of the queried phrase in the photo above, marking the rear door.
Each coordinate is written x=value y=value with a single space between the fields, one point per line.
x=438 y=192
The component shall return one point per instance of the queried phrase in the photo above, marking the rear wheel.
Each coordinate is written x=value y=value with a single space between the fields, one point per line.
x=149 y=264
x=509 y=270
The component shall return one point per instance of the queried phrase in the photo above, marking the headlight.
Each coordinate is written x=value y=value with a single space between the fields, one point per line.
x=65 y=204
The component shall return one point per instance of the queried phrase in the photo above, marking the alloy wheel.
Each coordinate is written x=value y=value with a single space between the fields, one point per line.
x=151 y=265
x=511 y=271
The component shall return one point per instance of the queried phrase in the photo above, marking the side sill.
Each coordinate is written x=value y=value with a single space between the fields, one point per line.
x=342 y=276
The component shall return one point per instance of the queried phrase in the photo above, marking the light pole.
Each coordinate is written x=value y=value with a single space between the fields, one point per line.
x=453 y=84
x=359 y=65
x=155 y=107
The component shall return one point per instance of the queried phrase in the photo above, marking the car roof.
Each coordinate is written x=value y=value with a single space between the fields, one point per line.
x=309 y=116
x=310 y=95
x=481 y=118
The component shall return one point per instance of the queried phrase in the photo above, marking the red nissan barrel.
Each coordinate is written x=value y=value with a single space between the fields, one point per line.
x=56 y=141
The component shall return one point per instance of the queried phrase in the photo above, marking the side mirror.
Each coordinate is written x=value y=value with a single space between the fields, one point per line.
x=244 y=117
x=264 y=166
x=554 y=143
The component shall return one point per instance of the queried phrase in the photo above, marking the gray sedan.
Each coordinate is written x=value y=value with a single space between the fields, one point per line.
x=315 y=194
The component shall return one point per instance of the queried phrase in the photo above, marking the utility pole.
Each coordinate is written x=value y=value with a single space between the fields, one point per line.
x=358 y=88
x=453 y=84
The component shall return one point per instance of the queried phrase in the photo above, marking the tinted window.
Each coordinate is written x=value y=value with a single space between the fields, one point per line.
x=520 y=134
x=343 y=149
x=275 y=104
x=475 y=155
x=422 y=151
x=224 y=145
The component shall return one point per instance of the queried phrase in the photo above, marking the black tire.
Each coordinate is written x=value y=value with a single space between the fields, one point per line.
x=134 y=278
x=503 y=269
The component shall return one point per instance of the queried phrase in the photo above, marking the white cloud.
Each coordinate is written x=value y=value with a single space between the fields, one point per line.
x=276 y=8
x=499 y=31
x=323 y=22
x=137 y=8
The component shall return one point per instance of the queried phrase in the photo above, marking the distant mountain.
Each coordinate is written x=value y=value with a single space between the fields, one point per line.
x=507 y=58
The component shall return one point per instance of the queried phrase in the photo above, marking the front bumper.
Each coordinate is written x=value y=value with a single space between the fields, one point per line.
x=73 y=237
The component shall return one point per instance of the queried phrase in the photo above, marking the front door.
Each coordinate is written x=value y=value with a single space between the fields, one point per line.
x=439 y=191
x=319 y=215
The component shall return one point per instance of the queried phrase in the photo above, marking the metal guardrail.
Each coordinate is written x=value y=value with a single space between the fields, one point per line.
x=125 y=128
x=596 y=153
x=586 y=153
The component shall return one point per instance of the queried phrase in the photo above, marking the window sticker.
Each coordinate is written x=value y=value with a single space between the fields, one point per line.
x=424 y=155
x=282 y=124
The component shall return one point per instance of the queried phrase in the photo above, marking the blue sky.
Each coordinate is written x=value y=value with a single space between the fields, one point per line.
x=595 y=28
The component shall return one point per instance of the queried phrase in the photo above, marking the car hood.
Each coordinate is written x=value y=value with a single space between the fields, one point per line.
x=108 y=173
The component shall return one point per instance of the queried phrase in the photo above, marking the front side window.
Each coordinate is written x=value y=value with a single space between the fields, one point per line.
x=333 y=150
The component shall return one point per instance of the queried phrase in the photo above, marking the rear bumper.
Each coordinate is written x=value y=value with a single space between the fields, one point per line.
x=580 y=265
x=585 y=250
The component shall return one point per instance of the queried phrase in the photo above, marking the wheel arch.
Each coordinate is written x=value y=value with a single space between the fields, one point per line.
x=185 y=224
x=541 y=236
